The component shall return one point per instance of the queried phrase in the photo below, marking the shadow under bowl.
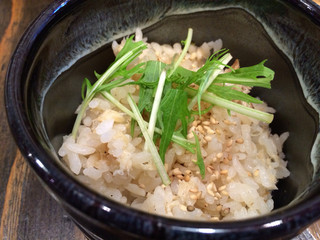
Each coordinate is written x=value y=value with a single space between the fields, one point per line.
x=71 y=39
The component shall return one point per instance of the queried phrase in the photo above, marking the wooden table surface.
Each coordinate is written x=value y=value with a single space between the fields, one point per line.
x=26 y=210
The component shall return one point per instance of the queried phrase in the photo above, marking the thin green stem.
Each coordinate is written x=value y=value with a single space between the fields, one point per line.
x=221 y=102
x=151 y=146
x=224 y=60
x=184 y=51
x=156 y=104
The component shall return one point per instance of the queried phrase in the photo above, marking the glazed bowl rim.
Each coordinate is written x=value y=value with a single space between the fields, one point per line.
x=56 y=179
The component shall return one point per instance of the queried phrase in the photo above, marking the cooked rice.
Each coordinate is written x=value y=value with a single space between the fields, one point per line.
x=243 y=159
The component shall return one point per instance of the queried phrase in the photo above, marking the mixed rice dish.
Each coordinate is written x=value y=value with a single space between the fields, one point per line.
x=243 y=160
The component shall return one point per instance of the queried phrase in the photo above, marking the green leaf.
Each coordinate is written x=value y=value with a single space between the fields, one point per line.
x=97 y=75
x=254 y=76
x=145 y=99
x=212 y=63
x=85 y=88
x=151 y=74
x=182 y=77
x=173 y=108
x=124 y=73
x=148 y=83
x=227 y=92
x=199 y=161
x=210 y=71
x=108 y=86
x=130 y=45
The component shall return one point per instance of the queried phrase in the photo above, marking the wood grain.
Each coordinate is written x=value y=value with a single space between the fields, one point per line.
x=26 y=210
x=18 y=175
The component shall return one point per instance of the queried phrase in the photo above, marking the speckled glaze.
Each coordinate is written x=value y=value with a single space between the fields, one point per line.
x=41 y=98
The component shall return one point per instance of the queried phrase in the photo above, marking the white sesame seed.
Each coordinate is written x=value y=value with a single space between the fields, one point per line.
x=218 y=195
x=240 y=140
x=200 y=129
x=209 y=190
x=176 y=171
x=199 y=195
x=219 y=155
x=226 y=161
x=225 y=211
x=183 y=207
x=208 y=138
x=193 y=197
x=224 y=172
x=193 y=190
x=190 y=208
x=179 y=176
x=229 y=142
x=215 y=219
x=206 y=123
x=187 y=178
x=214 y=187
x=225 y=193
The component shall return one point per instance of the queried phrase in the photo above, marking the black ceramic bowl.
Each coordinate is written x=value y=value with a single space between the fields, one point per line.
x=71 y=38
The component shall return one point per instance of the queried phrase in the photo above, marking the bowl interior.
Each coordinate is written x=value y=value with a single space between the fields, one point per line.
x=54 y=81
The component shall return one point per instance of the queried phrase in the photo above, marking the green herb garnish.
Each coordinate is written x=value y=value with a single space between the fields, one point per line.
x=151 y=146
x=167 y=100
x=207 y=74
x=176 y=138
x=129 y=52
x=199 y=161
x=173 y=108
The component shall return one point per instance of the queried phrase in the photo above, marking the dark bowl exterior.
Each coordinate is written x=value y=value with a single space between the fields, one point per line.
x=101 y=218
